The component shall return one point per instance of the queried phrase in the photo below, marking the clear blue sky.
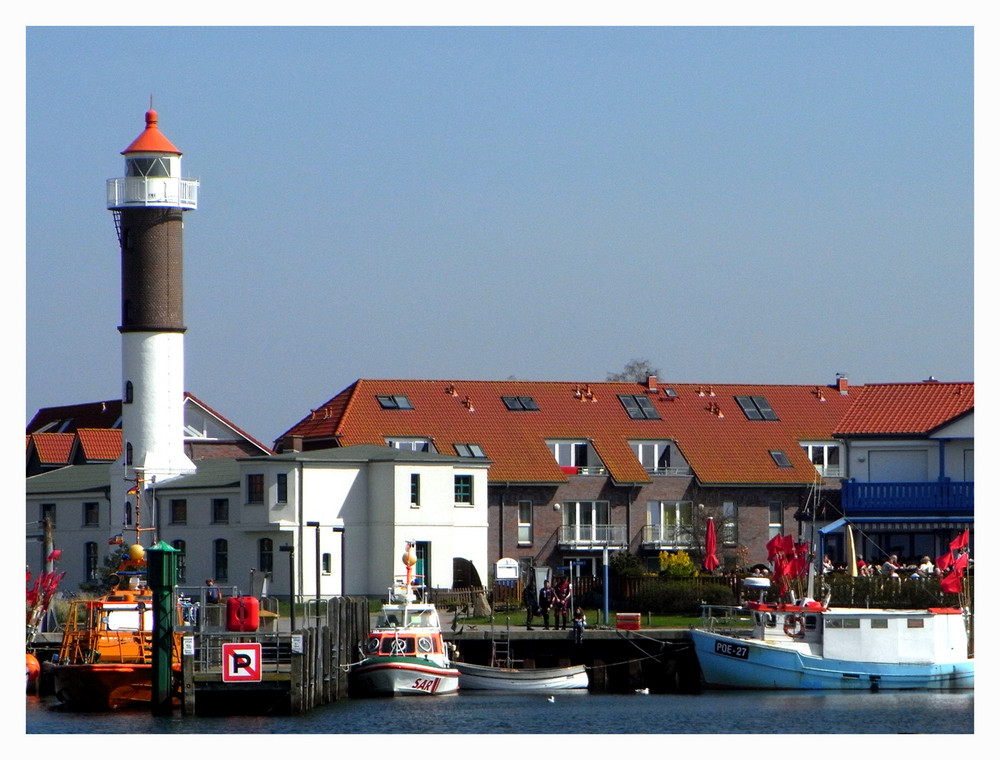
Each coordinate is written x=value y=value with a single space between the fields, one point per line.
x=773 y=204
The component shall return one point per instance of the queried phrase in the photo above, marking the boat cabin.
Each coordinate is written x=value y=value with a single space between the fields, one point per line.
x=887 y=636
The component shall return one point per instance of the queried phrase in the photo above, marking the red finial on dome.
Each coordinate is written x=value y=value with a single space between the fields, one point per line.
x=152 y=139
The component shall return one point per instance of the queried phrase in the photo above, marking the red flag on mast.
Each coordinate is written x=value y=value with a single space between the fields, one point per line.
x=952 y=582
x=960 y=542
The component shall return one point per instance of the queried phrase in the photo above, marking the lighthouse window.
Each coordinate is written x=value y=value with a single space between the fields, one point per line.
x=147 y=167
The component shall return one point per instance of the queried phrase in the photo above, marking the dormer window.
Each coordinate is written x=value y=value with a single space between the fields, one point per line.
x=756 y=408
x=394 y=402
x=639 y=407
x=655 y=457
x=409 y=444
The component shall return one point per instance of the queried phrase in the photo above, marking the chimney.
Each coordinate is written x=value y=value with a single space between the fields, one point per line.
x=842 y=384
x=651 y=383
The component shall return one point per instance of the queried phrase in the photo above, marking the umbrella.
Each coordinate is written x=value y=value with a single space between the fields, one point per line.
x=711 y=561
x=852 y=558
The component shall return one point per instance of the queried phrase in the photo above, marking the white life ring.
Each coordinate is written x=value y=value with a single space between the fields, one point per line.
x=794 y=627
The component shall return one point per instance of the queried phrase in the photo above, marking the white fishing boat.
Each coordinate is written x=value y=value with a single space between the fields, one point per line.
x=405 y=652
x=521 y=679
x=808 y=645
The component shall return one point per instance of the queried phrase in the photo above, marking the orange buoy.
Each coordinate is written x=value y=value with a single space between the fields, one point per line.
x=31 y=666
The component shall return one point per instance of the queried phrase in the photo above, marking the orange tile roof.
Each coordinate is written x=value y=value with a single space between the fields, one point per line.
x=906 y=408
x=100 y=444
x=712 y=433
x=53 y=448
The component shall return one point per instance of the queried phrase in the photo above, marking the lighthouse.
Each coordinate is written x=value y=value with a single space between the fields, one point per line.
x=148 y=204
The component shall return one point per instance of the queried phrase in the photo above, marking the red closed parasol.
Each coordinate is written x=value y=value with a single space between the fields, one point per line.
x=711 y=561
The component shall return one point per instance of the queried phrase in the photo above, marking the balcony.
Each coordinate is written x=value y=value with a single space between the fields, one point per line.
x=584 y=470
x=668 y=537
x=944 y=499
x=173 y=192
x=592 y=536
x=674 y=471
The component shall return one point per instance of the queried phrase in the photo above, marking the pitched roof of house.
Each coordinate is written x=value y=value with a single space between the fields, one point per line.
x=95 y=428
x=67 y=419
x=96 y=444
x=715 y=436
x=906 y=408
x=52 y=448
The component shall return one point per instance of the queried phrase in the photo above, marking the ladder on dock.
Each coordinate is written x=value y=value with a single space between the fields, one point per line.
x=501 y=657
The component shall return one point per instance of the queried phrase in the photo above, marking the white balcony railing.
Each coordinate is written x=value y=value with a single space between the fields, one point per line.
x=828 y=470
x=580 y=536
x=174 y=192
x=668 y=536
x=676 y=471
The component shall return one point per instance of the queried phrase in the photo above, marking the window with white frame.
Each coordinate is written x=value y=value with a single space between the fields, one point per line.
x=525 y=508
x=409 y=444
x=587 y=521
x=670 y=523
x=654 y=456
x=729 y=535
x=774 y=519
x=825 y=458
x=569 y=453
x=414 y=489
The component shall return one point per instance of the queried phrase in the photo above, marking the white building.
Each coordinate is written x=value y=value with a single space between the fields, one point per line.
x=346 y=513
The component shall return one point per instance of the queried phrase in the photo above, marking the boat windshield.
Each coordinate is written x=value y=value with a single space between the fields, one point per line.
x=398 y=618
x=127 y=618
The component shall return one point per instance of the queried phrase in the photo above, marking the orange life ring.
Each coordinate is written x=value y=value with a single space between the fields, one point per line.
x=794 y=627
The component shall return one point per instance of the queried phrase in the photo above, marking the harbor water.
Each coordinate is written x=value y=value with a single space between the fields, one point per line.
x=575 y=713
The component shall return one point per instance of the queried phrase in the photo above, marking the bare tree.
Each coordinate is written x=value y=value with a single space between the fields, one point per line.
x=636 y=370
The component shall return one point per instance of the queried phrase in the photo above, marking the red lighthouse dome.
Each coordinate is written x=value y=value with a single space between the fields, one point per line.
x=152 y=139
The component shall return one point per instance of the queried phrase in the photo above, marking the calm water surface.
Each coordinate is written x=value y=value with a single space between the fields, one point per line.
x=570 y=713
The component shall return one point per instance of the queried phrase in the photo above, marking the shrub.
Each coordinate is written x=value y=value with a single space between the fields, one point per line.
x=681 y=597
x=677 y=565
x=625 y=564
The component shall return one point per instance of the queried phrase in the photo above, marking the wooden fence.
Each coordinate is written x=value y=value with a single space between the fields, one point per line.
x=633 y=594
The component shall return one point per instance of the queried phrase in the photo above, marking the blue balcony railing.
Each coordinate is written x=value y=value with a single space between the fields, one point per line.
x=944 y=498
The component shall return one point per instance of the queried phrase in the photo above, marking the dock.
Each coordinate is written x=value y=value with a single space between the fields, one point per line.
x=281 y=670
x=618 y=660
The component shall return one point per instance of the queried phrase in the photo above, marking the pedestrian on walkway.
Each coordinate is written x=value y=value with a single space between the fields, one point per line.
x=546 y=597
x=561 y=603
x=579 y=623
x=530 y=599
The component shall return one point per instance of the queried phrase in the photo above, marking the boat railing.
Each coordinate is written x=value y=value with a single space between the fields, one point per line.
x=726 y=619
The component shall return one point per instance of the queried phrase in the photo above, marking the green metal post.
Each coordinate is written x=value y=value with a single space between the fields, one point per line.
x=161 y=573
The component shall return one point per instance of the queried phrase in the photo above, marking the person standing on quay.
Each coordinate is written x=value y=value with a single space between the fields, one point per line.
x=561 y=603
x=531 y=604
x=546 y=597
